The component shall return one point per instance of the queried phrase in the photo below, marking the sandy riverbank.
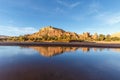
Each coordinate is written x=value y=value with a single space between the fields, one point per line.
x=77 y=44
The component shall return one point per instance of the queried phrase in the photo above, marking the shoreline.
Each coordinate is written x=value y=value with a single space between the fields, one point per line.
x=67 y=44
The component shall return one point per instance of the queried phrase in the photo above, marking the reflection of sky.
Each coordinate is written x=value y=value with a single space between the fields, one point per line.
x=101 y=60
x=103 y=63
x=8 y=51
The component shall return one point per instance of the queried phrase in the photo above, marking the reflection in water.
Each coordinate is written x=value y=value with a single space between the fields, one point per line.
x=49 y=51
x=116 y=50
x=52 y=51
x=85 y=49
x=70 y=66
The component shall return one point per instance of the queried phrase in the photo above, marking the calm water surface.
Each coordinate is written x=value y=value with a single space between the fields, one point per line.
x=59 y=63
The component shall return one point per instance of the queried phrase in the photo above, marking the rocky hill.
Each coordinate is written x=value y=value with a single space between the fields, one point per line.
x=52 y=32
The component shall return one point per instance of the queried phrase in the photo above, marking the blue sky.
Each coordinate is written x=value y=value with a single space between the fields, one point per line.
x=18 y=17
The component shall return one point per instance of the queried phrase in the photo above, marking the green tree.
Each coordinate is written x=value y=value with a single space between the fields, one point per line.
x=115 y=39
x=101 y=37
x=108 y=38
x=45 y=37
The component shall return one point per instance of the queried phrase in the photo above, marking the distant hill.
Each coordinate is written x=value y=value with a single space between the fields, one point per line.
x=53 y=32
x=115 y=34
x=3 y=36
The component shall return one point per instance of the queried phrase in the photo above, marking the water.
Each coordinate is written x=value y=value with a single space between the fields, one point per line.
x=59 y=63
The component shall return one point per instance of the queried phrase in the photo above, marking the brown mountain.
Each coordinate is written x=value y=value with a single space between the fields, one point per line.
x=50 y=31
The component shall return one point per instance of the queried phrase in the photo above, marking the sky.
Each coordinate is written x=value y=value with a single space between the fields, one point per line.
x=19 y=17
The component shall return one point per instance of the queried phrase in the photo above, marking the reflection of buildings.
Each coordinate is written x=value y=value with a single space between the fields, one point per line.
x=95 y=49
x=102 y=49
x=98 y=49
x=52 y=51
x=116 y=49
x=85 y=49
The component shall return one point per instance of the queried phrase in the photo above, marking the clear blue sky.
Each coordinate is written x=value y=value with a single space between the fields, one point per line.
x=18 y=17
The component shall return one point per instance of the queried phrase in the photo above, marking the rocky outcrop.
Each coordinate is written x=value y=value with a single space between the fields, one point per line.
x=50 y=31
x=53 y=32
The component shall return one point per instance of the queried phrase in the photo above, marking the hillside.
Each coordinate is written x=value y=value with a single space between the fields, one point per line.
x=52 y=32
